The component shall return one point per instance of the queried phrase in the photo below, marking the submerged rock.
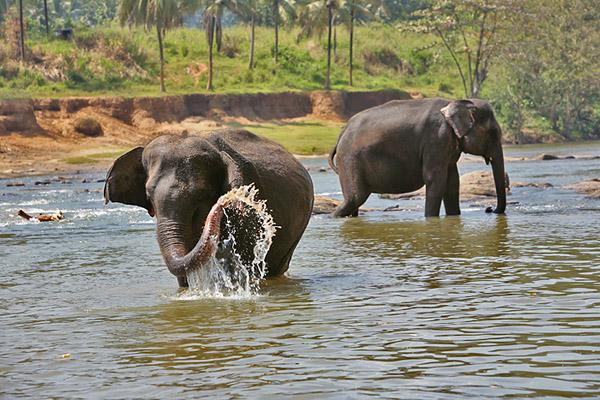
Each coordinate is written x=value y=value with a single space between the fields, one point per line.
x=589 y=188
x=473 y=186
x=546 y=157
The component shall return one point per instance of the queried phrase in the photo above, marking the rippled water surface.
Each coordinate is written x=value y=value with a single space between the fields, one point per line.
x=387 y=305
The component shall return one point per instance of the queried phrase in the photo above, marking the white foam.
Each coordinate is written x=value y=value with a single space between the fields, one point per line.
x=231 y=277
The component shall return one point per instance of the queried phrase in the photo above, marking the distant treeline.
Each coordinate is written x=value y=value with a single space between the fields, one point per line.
x=536 y=60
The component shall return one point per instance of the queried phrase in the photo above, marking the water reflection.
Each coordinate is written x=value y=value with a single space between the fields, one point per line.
x=385 y=305
x=197 y=335
x=449 y=237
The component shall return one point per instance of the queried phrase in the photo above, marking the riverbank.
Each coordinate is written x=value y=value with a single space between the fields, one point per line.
x=44 y=136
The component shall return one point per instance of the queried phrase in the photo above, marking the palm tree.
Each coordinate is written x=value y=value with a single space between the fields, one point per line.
x=285 y=9
x=252 y=10
x=313 y=17
x=159 y=14
x=350 y=12
x=213 y=15
x=46 y=17
x=21 y=31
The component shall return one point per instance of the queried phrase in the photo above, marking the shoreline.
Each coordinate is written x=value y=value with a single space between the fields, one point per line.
x=49 y=167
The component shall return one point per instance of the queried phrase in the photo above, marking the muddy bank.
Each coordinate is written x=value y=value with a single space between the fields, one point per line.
x=20 y=116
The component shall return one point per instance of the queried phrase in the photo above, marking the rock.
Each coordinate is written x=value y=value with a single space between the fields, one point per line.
x=13 y=184
x=46 y=182
x=325 y=205
x=546 y=157
x=88 y=126
x=18 y=116
x=589 y=188
x=42 y=217
x=539 y=185
x=473 y=186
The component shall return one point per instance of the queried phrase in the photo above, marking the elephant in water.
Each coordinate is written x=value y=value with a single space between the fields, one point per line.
x=179 y=179
x=402 y=145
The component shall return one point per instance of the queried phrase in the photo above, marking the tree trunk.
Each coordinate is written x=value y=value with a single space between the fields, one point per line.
x=276 y=17
x=21 y=31
x=162 y=58
x=350 y=66
x=335 y=42
x=251 y=65
x=211 y=36
x=46 y=17
x=330 y=23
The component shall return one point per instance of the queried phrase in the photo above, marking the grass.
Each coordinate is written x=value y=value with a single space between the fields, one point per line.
x=117 y=61
x=303 y=137
x=94 y=158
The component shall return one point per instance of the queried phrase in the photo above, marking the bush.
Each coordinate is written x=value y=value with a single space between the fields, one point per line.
x=88 y=127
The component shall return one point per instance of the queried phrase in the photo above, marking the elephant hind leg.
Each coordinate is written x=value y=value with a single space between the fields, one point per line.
x=353 y=187
x=352 y=202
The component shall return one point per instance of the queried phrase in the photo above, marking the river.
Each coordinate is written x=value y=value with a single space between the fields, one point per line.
x=387 y=305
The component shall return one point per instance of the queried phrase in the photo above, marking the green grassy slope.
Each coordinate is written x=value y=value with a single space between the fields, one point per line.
x=119 y=61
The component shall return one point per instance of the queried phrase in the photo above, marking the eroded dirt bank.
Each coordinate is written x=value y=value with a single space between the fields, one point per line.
x=37 y=135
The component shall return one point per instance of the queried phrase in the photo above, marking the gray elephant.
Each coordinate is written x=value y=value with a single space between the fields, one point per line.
x=179 y=179
x=402 y=145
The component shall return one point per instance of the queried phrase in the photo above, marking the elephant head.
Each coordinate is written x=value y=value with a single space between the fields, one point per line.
x=179 y=180
x=478 y=132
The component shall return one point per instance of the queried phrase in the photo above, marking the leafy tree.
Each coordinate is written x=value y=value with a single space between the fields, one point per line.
x=470 y=31
x=159 y=14
x=551 y=68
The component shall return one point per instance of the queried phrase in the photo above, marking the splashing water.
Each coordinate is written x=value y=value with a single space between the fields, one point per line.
x=238 y=264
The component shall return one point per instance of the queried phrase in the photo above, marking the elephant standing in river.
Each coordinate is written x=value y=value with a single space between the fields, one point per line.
x=402 y=145
x=179 y=179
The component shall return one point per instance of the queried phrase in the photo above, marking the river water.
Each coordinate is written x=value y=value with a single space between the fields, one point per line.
x=387 y=305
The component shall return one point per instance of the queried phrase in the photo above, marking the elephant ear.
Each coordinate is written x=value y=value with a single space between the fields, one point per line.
x=240 y=171
x=126 y=180
x=460 y=115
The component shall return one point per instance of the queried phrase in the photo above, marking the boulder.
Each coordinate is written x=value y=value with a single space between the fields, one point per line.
x=18 y=116
x=473 y=186
x=589 y=188
x=88 y=126
x=325 y=205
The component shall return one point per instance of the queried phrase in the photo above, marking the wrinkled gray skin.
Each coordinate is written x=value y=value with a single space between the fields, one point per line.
x=404 y=144
x=178 y=179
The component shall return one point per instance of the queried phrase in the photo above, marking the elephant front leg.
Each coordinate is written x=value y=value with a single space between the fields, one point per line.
x=451 y=201
x=435 y=188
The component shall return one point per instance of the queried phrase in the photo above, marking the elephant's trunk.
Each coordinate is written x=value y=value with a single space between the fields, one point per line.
x=173 y=249
x=499 y=179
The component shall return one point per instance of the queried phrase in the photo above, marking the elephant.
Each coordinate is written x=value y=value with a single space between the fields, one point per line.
x=179 y=178
x=401 y=145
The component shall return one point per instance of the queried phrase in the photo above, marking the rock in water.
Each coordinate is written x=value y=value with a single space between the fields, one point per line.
x=589 y=188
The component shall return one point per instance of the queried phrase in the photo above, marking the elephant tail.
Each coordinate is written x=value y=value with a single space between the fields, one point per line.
x=334 y=151
x=331 y=161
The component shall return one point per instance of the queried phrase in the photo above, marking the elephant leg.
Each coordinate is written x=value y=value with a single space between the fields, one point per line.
x=355 y=195
x=351 y=204
x=435 y=189
x=451 y=202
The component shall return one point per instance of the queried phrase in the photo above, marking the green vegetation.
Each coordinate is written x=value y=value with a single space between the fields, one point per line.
x=119 y=61
x=535 y=60
x=95 y=157
x=302 y=137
